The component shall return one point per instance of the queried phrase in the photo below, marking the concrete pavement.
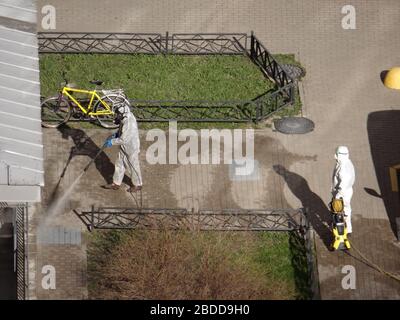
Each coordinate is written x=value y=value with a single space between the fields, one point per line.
x=342 y=95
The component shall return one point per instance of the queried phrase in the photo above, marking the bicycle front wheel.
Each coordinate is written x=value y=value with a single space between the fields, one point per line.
x=106 y=119
x=55 y=111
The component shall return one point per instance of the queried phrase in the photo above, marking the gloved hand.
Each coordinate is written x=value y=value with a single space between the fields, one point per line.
x=113 y=136
x=108 y=143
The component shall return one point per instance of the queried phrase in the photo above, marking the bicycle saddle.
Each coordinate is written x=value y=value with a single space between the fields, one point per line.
x=96 y=82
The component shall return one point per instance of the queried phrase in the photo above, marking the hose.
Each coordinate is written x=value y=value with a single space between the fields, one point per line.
x=378 y=268
x=137 y=175
x=130 y=163
x=94 y=158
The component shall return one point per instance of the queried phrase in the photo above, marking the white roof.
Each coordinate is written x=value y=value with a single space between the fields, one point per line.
x=21 y=148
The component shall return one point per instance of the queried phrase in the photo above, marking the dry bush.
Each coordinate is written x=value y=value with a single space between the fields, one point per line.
x=163 y=264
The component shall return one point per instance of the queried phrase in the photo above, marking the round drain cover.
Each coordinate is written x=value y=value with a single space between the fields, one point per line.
x=293 y=71
x=294 y=125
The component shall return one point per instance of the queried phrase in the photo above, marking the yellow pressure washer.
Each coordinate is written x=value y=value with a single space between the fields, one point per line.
x=339 y=228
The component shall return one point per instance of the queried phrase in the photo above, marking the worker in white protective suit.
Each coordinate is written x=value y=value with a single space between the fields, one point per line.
x=342 y=182
x=127 y=138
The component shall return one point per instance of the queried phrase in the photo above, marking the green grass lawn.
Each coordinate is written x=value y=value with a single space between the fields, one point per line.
x=196 y=265
x=157 y=77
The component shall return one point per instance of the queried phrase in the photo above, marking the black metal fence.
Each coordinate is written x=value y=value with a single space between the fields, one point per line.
x=294 y=221
x=221 y=220
x=142 y=43
x=109 y=43
x=20 y=253
x=20 y=235
x=253 y=110
x=207 y=43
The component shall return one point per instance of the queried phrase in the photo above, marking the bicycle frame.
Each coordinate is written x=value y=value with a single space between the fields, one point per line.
x=94 y=96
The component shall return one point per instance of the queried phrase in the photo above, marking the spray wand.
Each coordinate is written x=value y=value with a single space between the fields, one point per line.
x=94 y=158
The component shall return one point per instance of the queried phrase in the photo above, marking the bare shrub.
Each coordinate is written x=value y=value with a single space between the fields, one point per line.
x=162 y=264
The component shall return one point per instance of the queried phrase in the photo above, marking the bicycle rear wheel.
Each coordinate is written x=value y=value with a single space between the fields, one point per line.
x=55 y=111
x=112 y=99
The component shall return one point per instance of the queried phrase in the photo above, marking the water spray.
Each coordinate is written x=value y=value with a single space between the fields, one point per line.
x=58 y=202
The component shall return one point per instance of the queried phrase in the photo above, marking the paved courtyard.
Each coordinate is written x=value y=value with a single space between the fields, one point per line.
x=343 y=95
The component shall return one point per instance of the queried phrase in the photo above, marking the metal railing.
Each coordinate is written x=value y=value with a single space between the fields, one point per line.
x=207 y=43
x=253 y=110
x=195 y=111
x=97 y=42
x=20 y=235
x=142 y=43
x=20 y=253
x=294 y=221
x=221 y=220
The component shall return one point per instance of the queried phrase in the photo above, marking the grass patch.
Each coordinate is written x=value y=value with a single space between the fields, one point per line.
x=157 y=77
x=161 y=264
x=171 y=77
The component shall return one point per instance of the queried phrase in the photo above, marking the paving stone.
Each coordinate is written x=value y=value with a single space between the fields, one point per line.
x=342 y=90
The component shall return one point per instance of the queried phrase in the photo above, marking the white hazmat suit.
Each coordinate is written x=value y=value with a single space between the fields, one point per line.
x=342 y=182
x=128 y=156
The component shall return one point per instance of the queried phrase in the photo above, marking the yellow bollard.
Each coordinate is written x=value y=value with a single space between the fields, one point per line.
x=392 y=78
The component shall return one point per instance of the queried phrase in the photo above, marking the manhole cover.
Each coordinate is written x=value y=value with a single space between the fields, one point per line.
x=293 y=71
x=294 y=125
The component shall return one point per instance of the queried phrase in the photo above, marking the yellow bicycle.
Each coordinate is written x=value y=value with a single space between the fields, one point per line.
x=58 y=109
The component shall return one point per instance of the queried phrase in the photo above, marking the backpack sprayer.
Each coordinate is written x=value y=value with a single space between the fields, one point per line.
x=339 y=228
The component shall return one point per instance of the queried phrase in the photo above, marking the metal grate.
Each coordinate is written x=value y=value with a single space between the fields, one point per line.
x=222 y=220
x=20 y=257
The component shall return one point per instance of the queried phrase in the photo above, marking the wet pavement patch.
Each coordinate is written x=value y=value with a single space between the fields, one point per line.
x=59 y=235
x=245 y=171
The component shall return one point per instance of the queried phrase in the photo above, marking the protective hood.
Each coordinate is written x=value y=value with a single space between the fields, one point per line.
x=121 y=112
x=123 y=109
x=342 y=154
x=341 y=157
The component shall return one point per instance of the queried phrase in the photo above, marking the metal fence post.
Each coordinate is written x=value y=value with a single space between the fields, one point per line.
x=258 y=110
x=92 y=220
x=252 y=44
x=311 y=259
x=166 y=42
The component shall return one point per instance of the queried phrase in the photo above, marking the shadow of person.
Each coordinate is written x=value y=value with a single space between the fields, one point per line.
x=319 y=215
x=85 y=146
